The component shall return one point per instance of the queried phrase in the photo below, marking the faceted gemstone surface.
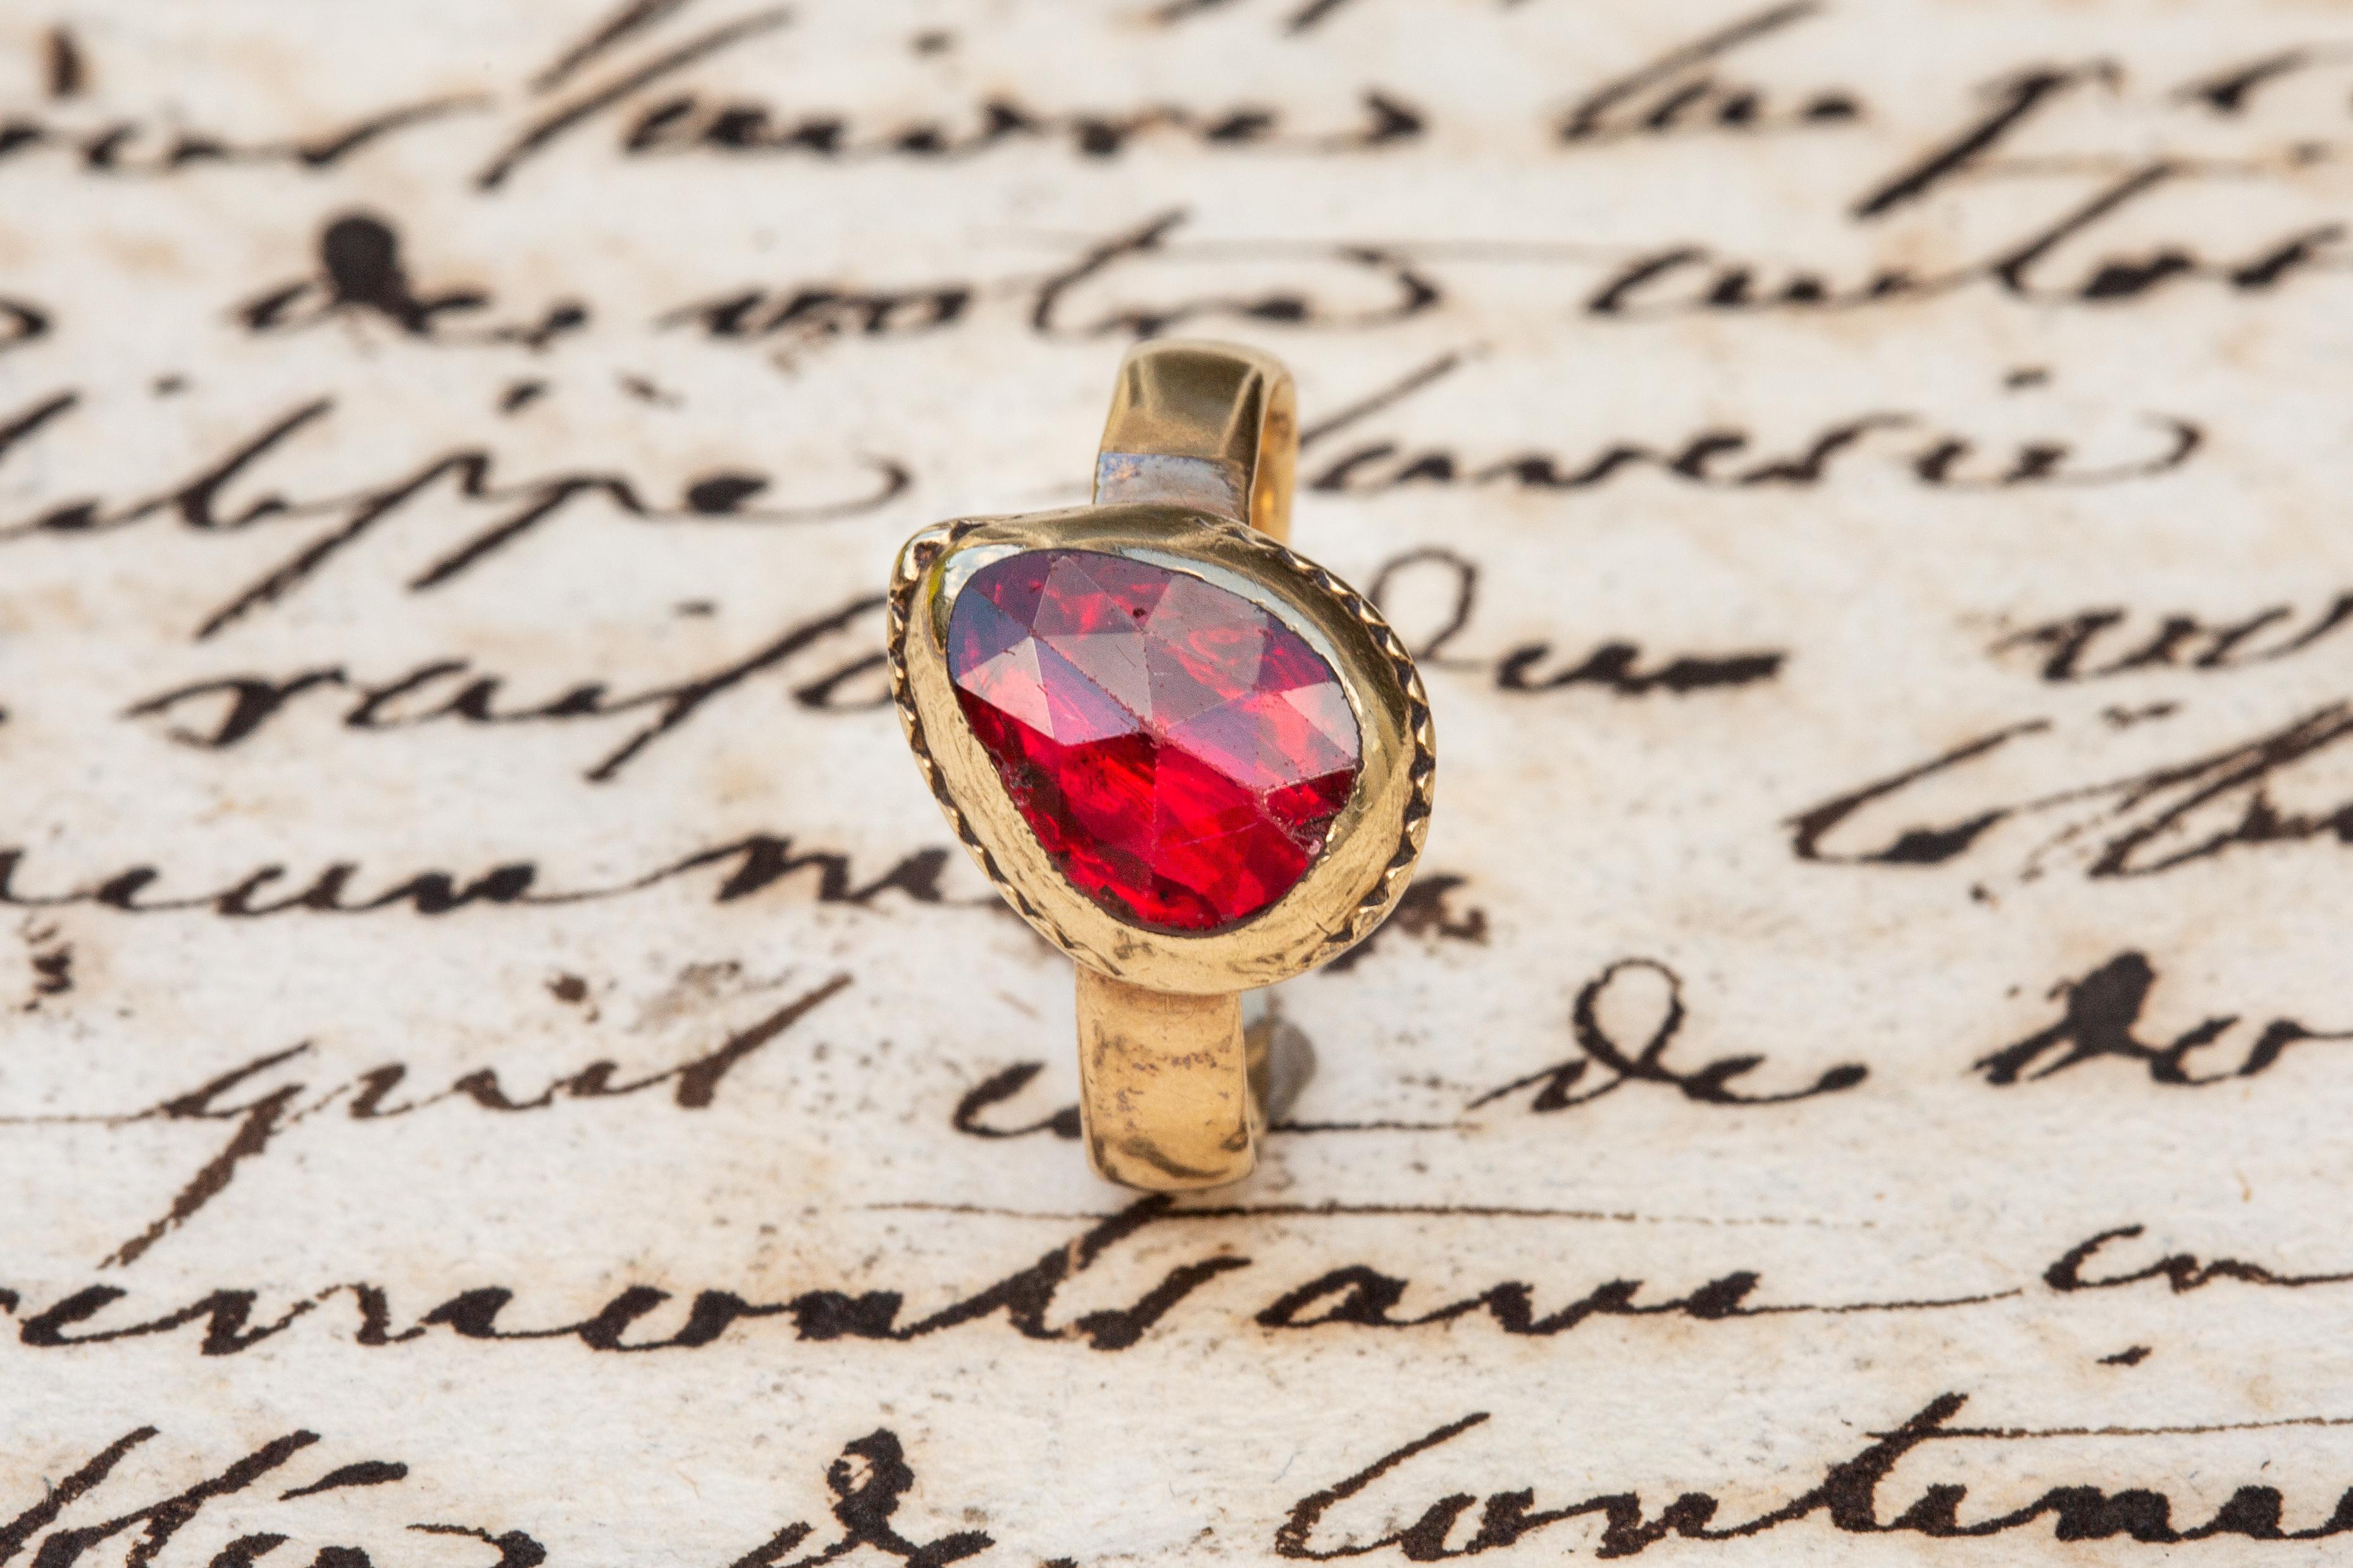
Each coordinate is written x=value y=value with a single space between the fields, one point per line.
x=1179 y=752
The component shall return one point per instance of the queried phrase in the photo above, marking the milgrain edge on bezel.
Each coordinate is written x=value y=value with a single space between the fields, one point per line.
x=1370 y=848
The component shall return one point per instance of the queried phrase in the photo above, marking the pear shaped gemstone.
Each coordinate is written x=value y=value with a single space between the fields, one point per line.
x=1179 y=752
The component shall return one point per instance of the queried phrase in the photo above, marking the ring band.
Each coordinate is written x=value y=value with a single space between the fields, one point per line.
x=1194 y=761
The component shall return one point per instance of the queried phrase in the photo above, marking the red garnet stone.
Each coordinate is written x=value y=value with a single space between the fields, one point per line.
x=1179 y=752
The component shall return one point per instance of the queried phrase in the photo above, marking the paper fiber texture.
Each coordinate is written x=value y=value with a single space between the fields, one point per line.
x=503 y=1062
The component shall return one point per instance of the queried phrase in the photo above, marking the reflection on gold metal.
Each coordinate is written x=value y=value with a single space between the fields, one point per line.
x=1212 y=415
x=1201 y=445
x=1165 y=1091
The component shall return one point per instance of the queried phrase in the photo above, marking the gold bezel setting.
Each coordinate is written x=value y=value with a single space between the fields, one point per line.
x=1370 y=849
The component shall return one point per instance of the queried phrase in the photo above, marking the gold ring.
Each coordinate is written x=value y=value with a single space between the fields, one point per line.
x=1195 y=761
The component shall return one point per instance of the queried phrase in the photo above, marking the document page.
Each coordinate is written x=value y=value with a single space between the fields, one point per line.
x=502 y=1062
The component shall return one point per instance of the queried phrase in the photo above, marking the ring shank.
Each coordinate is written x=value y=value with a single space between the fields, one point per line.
x=1167 y=1096
x=1212 y=426
x=1165 y=1091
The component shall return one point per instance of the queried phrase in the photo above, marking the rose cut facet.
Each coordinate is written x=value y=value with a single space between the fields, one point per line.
x=1179 y=752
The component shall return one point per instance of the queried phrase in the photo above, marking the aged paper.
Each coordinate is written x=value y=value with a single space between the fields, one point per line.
x=501 y=1063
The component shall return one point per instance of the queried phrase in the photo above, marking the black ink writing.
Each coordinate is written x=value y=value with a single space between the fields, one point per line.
x=2100 y=1018
x=1846 y=1501
x=2143 y=824
x=1563 y=1085
x=522 y=507
x=259 y=1107
x=752 y=864
x=2182 y=1271
x=2097 y=644
x=1681 y=89
x=1616 y=666
x=224 y=711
